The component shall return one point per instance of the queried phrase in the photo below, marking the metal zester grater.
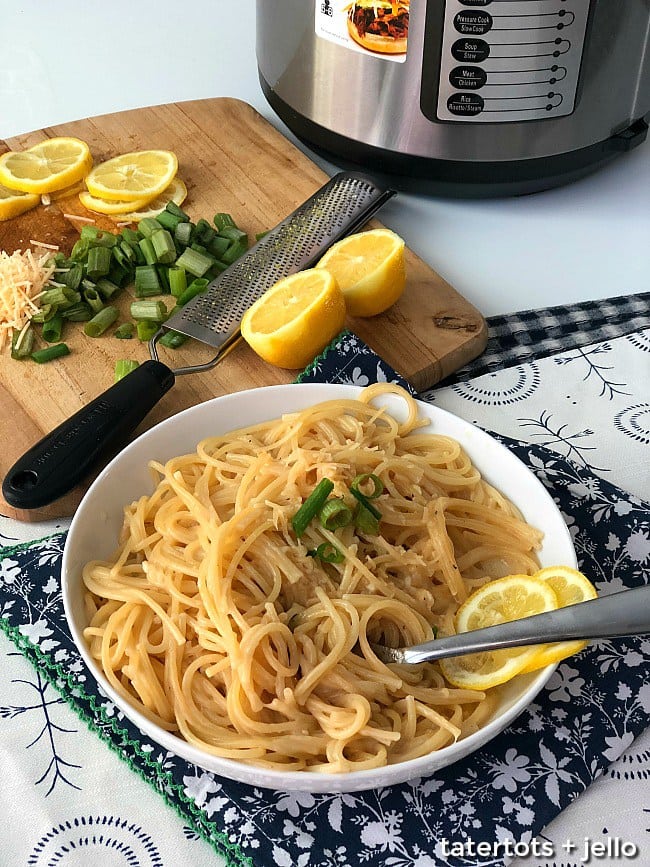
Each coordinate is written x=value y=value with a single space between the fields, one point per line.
x=63 y=458
x=339 y=208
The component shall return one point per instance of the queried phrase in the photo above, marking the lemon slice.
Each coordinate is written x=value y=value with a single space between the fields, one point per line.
x=132 y=177
x=13 y=202
x=295 y=319
x=369 y=267
x=103 y=206
x=176 y=192
x=50 y=165
x=499 y=601
x=570 y=587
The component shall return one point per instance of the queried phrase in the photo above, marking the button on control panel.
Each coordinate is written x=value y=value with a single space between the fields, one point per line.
x=510 y=60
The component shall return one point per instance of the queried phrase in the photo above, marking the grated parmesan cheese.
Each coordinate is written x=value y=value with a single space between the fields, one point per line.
x=79 y=218
x=22 y=278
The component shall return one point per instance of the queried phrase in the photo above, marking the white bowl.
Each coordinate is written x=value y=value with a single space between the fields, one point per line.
x=96 y=525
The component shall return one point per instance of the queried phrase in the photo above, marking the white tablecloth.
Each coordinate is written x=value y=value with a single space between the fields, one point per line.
x=68 y=800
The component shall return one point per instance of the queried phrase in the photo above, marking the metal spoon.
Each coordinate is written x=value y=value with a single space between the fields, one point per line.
x=624 y=613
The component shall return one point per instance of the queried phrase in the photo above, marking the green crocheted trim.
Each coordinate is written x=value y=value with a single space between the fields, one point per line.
x=161 y=781
x=329 y=348
x=23 y=546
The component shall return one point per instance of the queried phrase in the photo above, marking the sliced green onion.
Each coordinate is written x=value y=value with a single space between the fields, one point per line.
x=42 y=356
x=204 y=232
x=335 y=513
x=365 y=502
x=236 y=249
x=232 y=233
x=174 y=209
x=168 y=221
x=128 y=251
x=22 y=343
x=146 y=330
x=147 y=249
x=218 y=246
x=154 y=311
x=80 y=249
x=120 y=258
x=124 y=331
x=146 y=281
x=55 y=296
x=163 y=245
x=45 y=312
x=366 y=522
x=96 y=326
x=132 y=237
x=124 y=366
x=103 y=238
x=312 y=506
x=148 y=226
x=89 y=233
x=194 y=262
x=177 y=280
x=99 y=262
x=52 y=329
x=183 y=234
x=80 y=312
x=72 y=277
x=328 y=553
x=361 y=481
x=107 y=288
x=195 y=288
x=222 y=220
x=91 y=297
x=173 y=339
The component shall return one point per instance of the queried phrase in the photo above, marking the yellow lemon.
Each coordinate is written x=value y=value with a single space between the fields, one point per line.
x=50 y=165
x=132 y=177
x=295 y=319
x=570 y=587
x=499 y=601
x=176 y=192
x=370 y=269
x=13 y=202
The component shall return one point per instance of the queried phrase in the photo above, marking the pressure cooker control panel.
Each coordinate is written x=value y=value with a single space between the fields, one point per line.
x=510 y=60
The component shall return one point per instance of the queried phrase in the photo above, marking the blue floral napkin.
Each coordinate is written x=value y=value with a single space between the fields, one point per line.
x=507 y=792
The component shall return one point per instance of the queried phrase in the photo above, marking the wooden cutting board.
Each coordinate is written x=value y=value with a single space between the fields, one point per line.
x=232 y=160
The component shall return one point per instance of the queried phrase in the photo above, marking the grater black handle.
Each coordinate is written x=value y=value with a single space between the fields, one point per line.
x=64 y=457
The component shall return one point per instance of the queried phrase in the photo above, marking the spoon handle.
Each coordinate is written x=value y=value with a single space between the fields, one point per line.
x=619 y=614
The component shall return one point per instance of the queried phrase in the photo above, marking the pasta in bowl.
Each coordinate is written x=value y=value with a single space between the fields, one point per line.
x=228 y=607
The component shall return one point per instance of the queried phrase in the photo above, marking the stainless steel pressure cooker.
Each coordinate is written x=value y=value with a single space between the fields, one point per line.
x=460 y=97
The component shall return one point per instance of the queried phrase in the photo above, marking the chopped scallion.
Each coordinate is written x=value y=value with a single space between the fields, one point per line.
x=124 y=331
x=365 y=502
x=163 y=245
x=177 y=280
x=328 y=553
x=360 y=483
x=146 y=330
x=52 y=329
x=124 y=366
x=334 y=514
x=154 y=311
x=96 y=326
x=146 y=281
x=42 y=356
x=99 y=262
x=312 y=506
x=195 y=288
x=194 y=262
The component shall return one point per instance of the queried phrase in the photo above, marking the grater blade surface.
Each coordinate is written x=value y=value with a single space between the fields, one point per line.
x=340 y=207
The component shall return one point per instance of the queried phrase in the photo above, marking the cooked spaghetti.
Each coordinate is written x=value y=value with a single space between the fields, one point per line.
x=220 y=625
